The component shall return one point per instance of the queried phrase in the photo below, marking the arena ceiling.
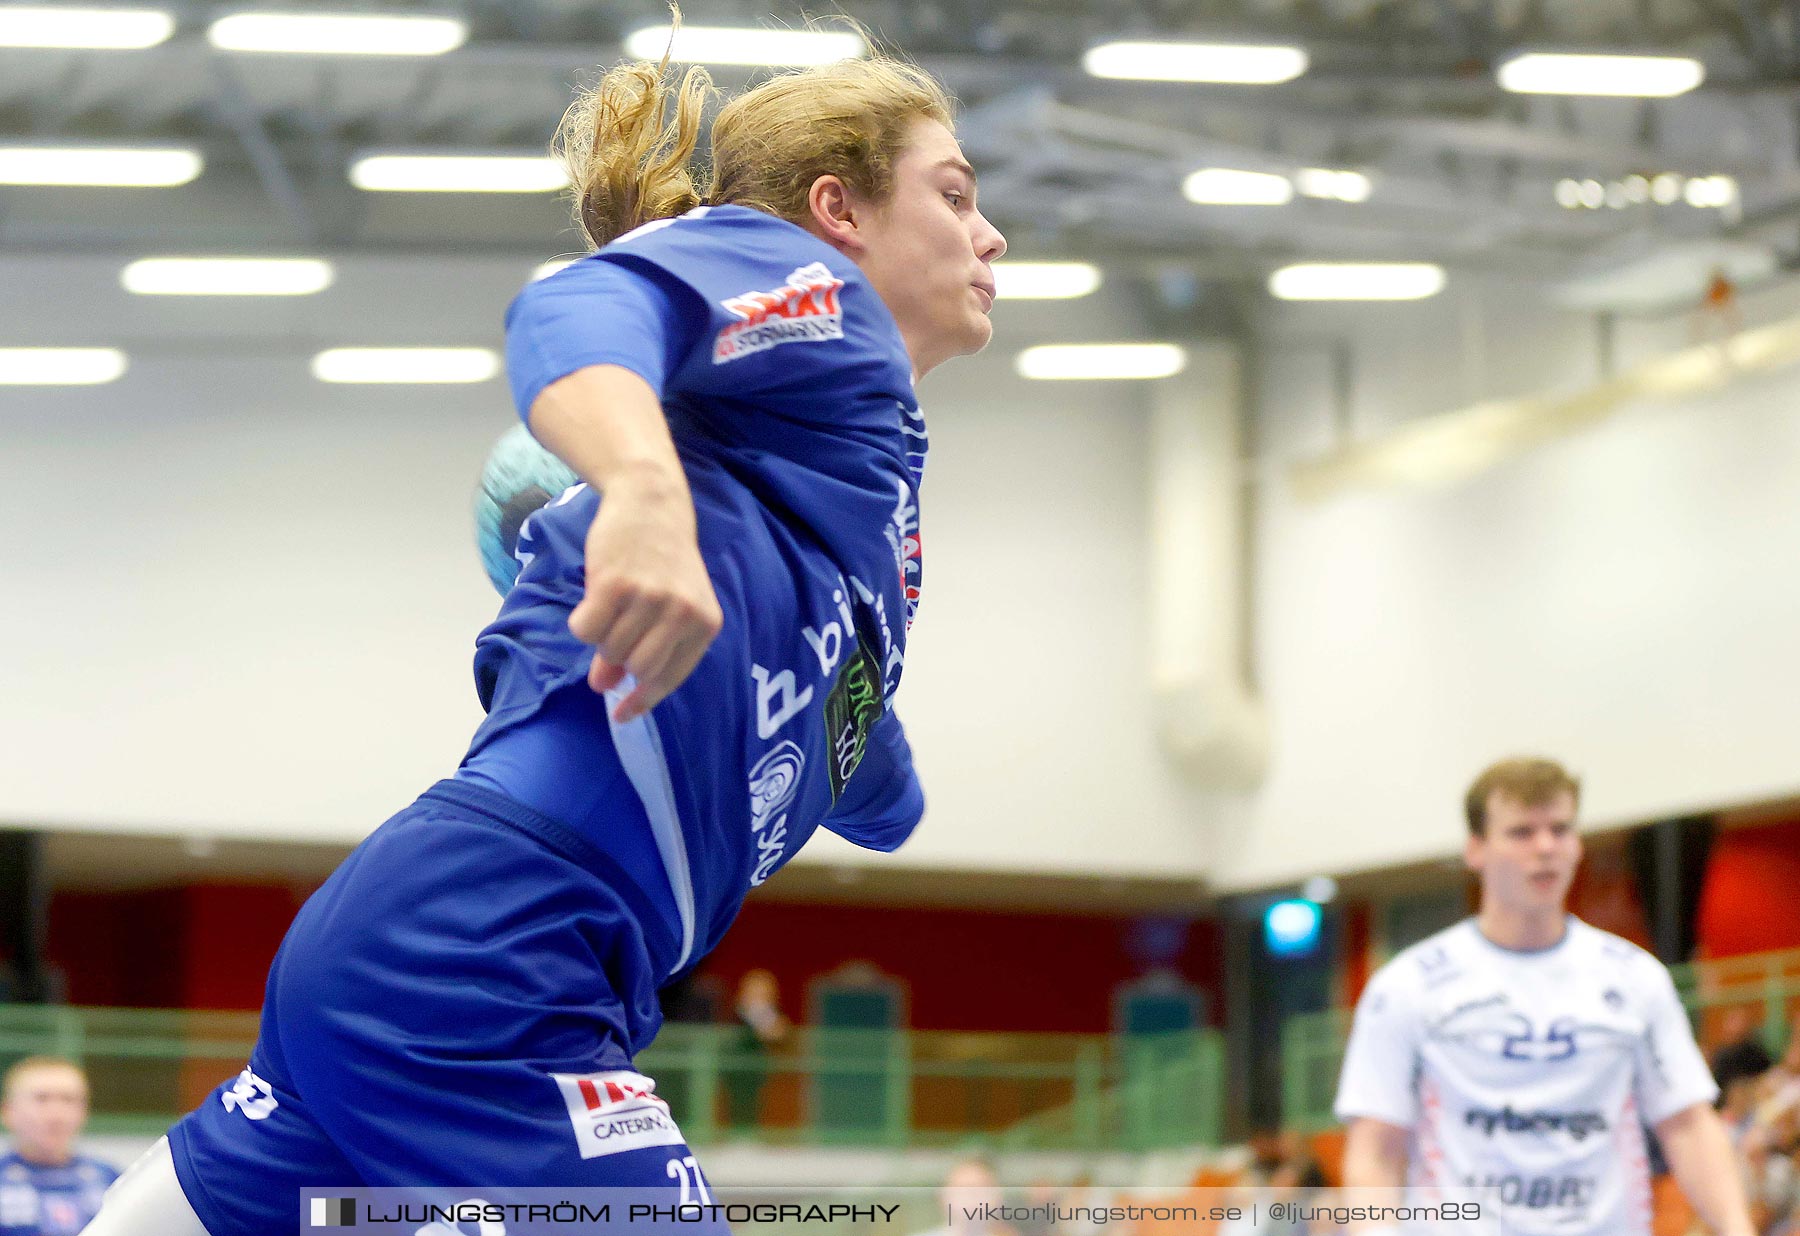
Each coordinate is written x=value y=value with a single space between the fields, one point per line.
x=1400 y=90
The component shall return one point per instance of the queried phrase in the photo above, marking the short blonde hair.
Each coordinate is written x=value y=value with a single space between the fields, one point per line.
x=630 y=163
x=31 y=1064
x=1531 y=780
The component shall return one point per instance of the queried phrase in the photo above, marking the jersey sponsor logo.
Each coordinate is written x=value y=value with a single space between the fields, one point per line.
x=805 y=309
x=1539 y=1192
x=908 y=546
x=773 y=783
x=851 y=710
x=1578 y=1125
x=777 y=702
x=829 y=640
x=1438 y=967
x=251 y=1095
x=615 y=1112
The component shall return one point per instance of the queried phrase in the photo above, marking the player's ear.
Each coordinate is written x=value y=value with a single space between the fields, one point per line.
x=1474 y=850
x=834 y=212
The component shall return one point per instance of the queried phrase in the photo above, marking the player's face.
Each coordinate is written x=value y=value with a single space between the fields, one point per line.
x=929 y=251
x=44 y=1111
x=1528 y=857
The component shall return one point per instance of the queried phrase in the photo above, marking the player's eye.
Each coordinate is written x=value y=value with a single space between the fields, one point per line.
x=954 y=198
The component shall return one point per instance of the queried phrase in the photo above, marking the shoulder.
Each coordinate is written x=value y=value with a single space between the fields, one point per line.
x=715 y=226
x=1431 y=961
x=724 y=243
x=1615 y=954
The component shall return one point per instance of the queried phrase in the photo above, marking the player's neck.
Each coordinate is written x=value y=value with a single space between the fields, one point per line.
x=1522 y=931
x=43 y=1156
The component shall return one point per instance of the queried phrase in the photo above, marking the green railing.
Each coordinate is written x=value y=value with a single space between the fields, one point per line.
x=1171 y=1093
x=824 y=1087
x=144 y=1065
x=1723 y=998
x=1728 y=996
x=1312 y=1052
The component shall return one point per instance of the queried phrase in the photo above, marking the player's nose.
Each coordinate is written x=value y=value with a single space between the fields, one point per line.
x=990 y=245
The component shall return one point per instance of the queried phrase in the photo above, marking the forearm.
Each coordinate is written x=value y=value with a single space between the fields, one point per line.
x=1374 y=1157
x=607 y=424
x=1703 y=1164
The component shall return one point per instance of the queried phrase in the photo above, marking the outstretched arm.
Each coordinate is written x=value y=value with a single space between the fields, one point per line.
x=649 y=609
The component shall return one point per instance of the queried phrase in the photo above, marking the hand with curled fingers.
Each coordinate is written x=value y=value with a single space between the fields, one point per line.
x=649 y=609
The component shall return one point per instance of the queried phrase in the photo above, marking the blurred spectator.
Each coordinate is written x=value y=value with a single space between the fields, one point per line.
x=46 y=1189
x=1040 y=1200
x=1265 y=1154
x=1757 y=1102
x=1282 y=1168
x=1739 y=1070
x=762 y=1030
x=1298 y=1163
x=1782 y=1087
x=690 y=1000
x=970 y=1188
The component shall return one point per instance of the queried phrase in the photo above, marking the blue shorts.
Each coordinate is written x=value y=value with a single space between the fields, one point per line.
x=458 y=1005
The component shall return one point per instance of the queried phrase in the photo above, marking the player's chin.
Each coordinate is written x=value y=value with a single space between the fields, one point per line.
x=1550 y=890
x=980 y=334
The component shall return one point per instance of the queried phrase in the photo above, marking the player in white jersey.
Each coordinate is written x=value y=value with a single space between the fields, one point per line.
x=1523 y=1050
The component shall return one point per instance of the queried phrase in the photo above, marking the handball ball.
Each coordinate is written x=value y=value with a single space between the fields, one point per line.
x=519 y=477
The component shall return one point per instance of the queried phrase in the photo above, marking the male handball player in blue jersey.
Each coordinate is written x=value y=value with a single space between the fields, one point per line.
x=731 y=375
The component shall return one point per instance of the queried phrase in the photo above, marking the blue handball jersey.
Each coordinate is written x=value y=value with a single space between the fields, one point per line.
x=789 y=396
x=36 y=1200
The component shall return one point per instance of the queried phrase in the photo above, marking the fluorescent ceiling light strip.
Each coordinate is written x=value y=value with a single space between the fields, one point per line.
x=1638 y=77
x=119 y=167
x=415 y=173
x=1227 y=63
x=1100 y=361
x=338 y=34
x=1357 y=281
x=216 y=276
x=1708 y=191
x=746 y=45
x=1335 y=186
x=1225 y=186
x=1044 y=280
x=406 y=365
x=23 y=25
x=60 y=366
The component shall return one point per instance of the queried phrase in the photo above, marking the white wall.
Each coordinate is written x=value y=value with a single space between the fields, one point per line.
x=1627 y=600
x=240 y=603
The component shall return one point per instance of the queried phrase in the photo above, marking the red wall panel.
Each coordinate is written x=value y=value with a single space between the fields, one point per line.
x=209 y=946
x=1752 y=882
x=204 y=946
x=969 y=969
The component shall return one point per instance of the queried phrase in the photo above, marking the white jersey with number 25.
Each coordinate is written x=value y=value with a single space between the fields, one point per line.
x=1531 y=1073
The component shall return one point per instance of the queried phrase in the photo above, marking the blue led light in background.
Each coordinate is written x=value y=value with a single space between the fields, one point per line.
x=1291 y=928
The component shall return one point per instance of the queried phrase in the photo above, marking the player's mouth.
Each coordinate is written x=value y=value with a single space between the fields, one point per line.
x=987 y=296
